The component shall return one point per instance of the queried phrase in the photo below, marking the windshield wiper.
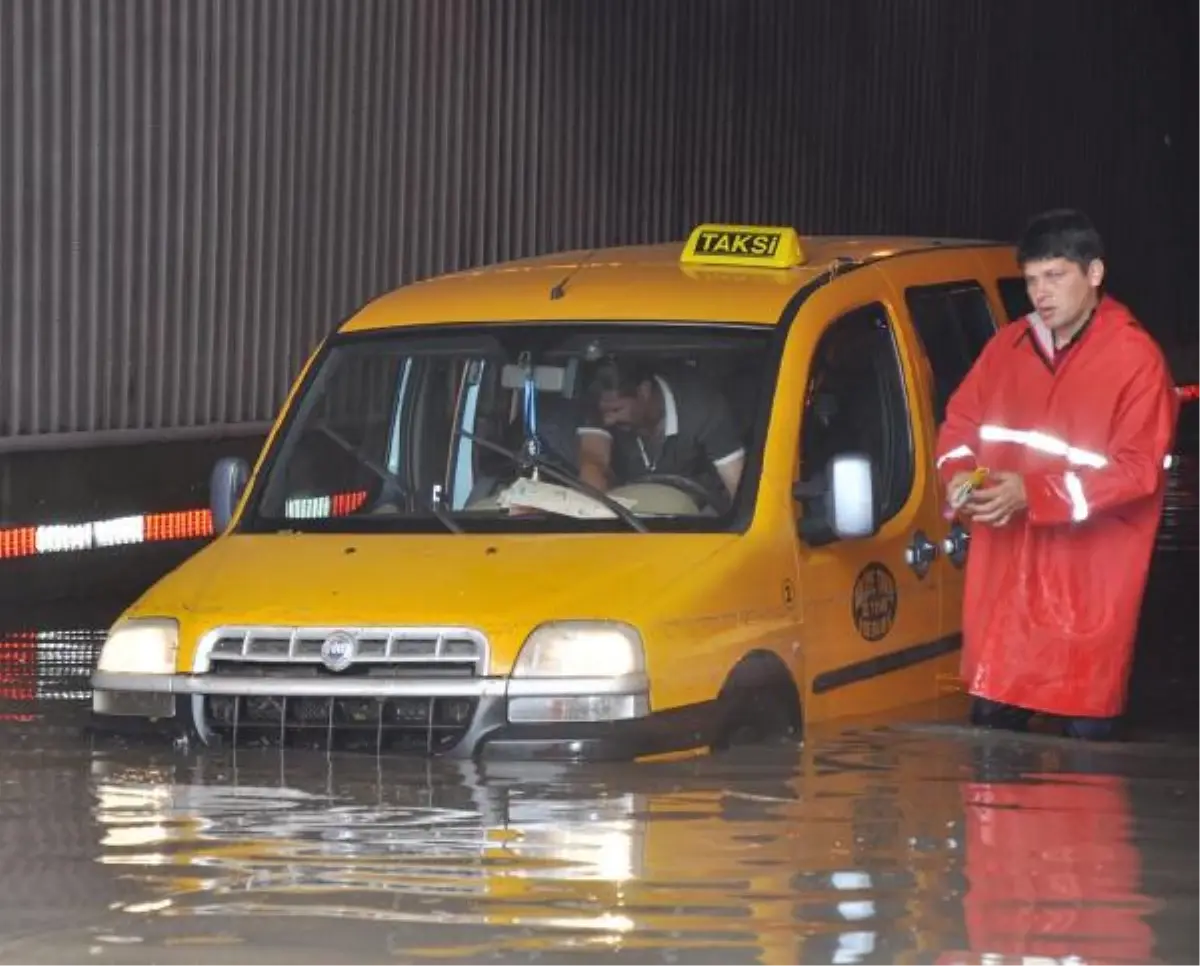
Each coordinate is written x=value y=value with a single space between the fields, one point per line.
x=388 y=476
x=570 y=479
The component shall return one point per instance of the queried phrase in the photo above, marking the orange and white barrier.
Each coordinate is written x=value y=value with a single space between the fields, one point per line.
x=29 y=541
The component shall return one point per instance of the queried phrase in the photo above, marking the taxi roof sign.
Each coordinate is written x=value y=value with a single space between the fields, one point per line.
x=747 y=246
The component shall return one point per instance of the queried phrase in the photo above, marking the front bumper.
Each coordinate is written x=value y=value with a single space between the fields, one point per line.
x=183 y=702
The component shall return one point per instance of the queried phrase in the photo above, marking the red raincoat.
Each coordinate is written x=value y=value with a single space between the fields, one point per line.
x=1051 y=601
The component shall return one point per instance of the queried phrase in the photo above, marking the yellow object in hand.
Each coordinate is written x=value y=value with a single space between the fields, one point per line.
x=964 y=490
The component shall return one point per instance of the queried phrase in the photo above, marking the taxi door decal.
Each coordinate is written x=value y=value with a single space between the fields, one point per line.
x=874 y=602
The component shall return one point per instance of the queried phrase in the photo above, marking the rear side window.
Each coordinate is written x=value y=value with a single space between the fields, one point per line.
x=1015 y=297
x=954 y=323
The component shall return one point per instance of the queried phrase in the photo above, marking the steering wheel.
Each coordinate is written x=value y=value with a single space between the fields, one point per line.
x=706 y=498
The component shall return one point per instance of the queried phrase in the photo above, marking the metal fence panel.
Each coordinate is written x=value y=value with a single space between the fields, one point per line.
x=193 y=192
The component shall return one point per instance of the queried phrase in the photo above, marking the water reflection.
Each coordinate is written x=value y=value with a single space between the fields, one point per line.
x=1051 y=859
x=41 y=668
x=867 y=847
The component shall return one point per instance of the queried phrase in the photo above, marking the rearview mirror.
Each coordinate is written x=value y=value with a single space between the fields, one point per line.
x=552 y=379
x=229 y=478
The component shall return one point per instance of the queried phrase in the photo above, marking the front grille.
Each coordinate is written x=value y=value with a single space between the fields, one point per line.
x=411 y=651
x=429 y=725
x=272 y=669
x=425 y=724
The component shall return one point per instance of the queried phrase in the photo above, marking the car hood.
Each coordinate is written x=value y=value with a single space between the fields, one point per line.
x=503 y=585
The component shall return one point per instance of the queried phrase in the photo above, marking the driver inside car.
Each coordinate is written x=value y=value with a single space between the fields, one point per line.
x=640 y=424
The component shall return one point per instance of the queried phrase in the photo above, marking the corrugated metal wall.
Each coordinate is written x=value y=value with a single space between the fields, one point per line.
x=192 y=192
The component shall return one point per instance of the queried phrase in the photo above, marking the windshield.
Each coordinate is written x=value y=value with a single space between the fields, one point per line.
x=544 y=427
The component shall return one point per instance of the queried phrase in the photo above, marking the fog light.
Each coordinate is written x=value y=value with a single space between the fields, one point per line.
x=592 y=707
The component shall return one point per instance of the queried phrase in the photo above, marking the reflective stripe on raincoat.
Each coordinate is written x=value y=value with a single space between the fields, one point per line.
x=1051 y=600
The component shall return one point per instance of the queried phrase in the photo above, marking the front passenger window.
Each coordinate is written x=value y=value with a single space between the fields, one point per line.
x=855 y=402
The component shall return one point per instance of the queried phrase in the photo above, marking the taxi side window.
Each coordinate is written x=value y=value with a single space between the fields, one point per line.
x=954 y=323
x=855 y=402
x=1015 y=297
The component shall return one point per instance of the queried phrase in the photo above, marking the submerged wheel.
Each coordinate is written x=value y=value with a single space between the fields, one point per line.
x=760 y=704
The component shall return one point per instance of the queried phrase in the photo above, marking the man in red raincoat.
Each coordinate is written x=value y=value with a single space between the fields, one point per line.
x=1071 y=410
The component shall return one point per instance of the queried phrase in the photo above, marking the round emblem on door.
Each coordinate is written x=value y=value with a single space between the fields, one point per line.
x=874 y=602
x=337 y=651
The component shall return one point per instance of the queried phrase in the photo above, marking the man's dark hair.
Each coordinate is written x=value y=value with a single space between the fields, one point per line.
x=1061 y=233
x=623 y=379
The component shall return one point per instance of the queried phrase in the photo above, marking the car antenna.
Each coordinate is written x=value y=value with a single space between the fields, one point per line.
x=559 y=290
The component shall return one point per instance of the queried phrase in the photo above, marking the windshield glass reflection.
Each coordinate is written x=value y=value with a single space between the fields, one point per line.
x=544 y=427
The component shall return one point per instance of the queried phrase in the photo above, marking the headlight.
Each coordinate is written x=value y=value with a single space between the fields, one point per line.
x=581 y=649
x=145 y=646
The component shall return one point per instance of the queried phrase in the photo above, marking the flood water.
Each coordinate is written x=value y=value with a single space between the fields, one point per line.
x=902 y=843
x=911 y=839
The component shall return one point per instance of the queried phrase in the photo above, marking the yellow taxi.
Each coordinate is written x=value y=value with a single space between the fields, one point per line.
x=619 y=503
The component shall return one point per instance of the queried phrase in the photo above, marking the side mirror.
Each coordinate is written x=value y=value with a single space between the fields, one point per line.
x=851 y=496
x=838 y=504
x=229 y=478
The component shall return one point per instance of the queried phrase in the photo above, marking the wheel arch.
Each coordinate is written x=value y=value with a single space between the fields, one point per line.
x=760 y=674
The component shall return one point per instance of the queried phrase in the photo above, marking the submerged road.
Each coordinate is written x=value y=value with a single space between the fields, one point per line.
x=911 y=839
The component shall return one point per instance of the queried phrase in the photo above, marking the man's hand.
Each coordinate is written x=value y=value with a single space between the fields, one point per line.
x=996 y=504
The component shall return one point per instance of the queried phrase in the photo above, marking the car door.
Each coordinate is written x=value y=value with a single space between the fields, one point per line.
x=871 y=605
x=951 y=316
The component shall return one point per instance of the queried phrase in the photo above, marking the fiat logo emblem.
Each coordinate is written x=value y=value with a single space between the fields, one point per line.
x=337 y=651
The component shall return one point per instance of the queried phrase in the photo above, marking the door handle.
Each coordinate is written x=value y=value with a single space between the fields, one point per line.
x=920 y=553
x=956 y=544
